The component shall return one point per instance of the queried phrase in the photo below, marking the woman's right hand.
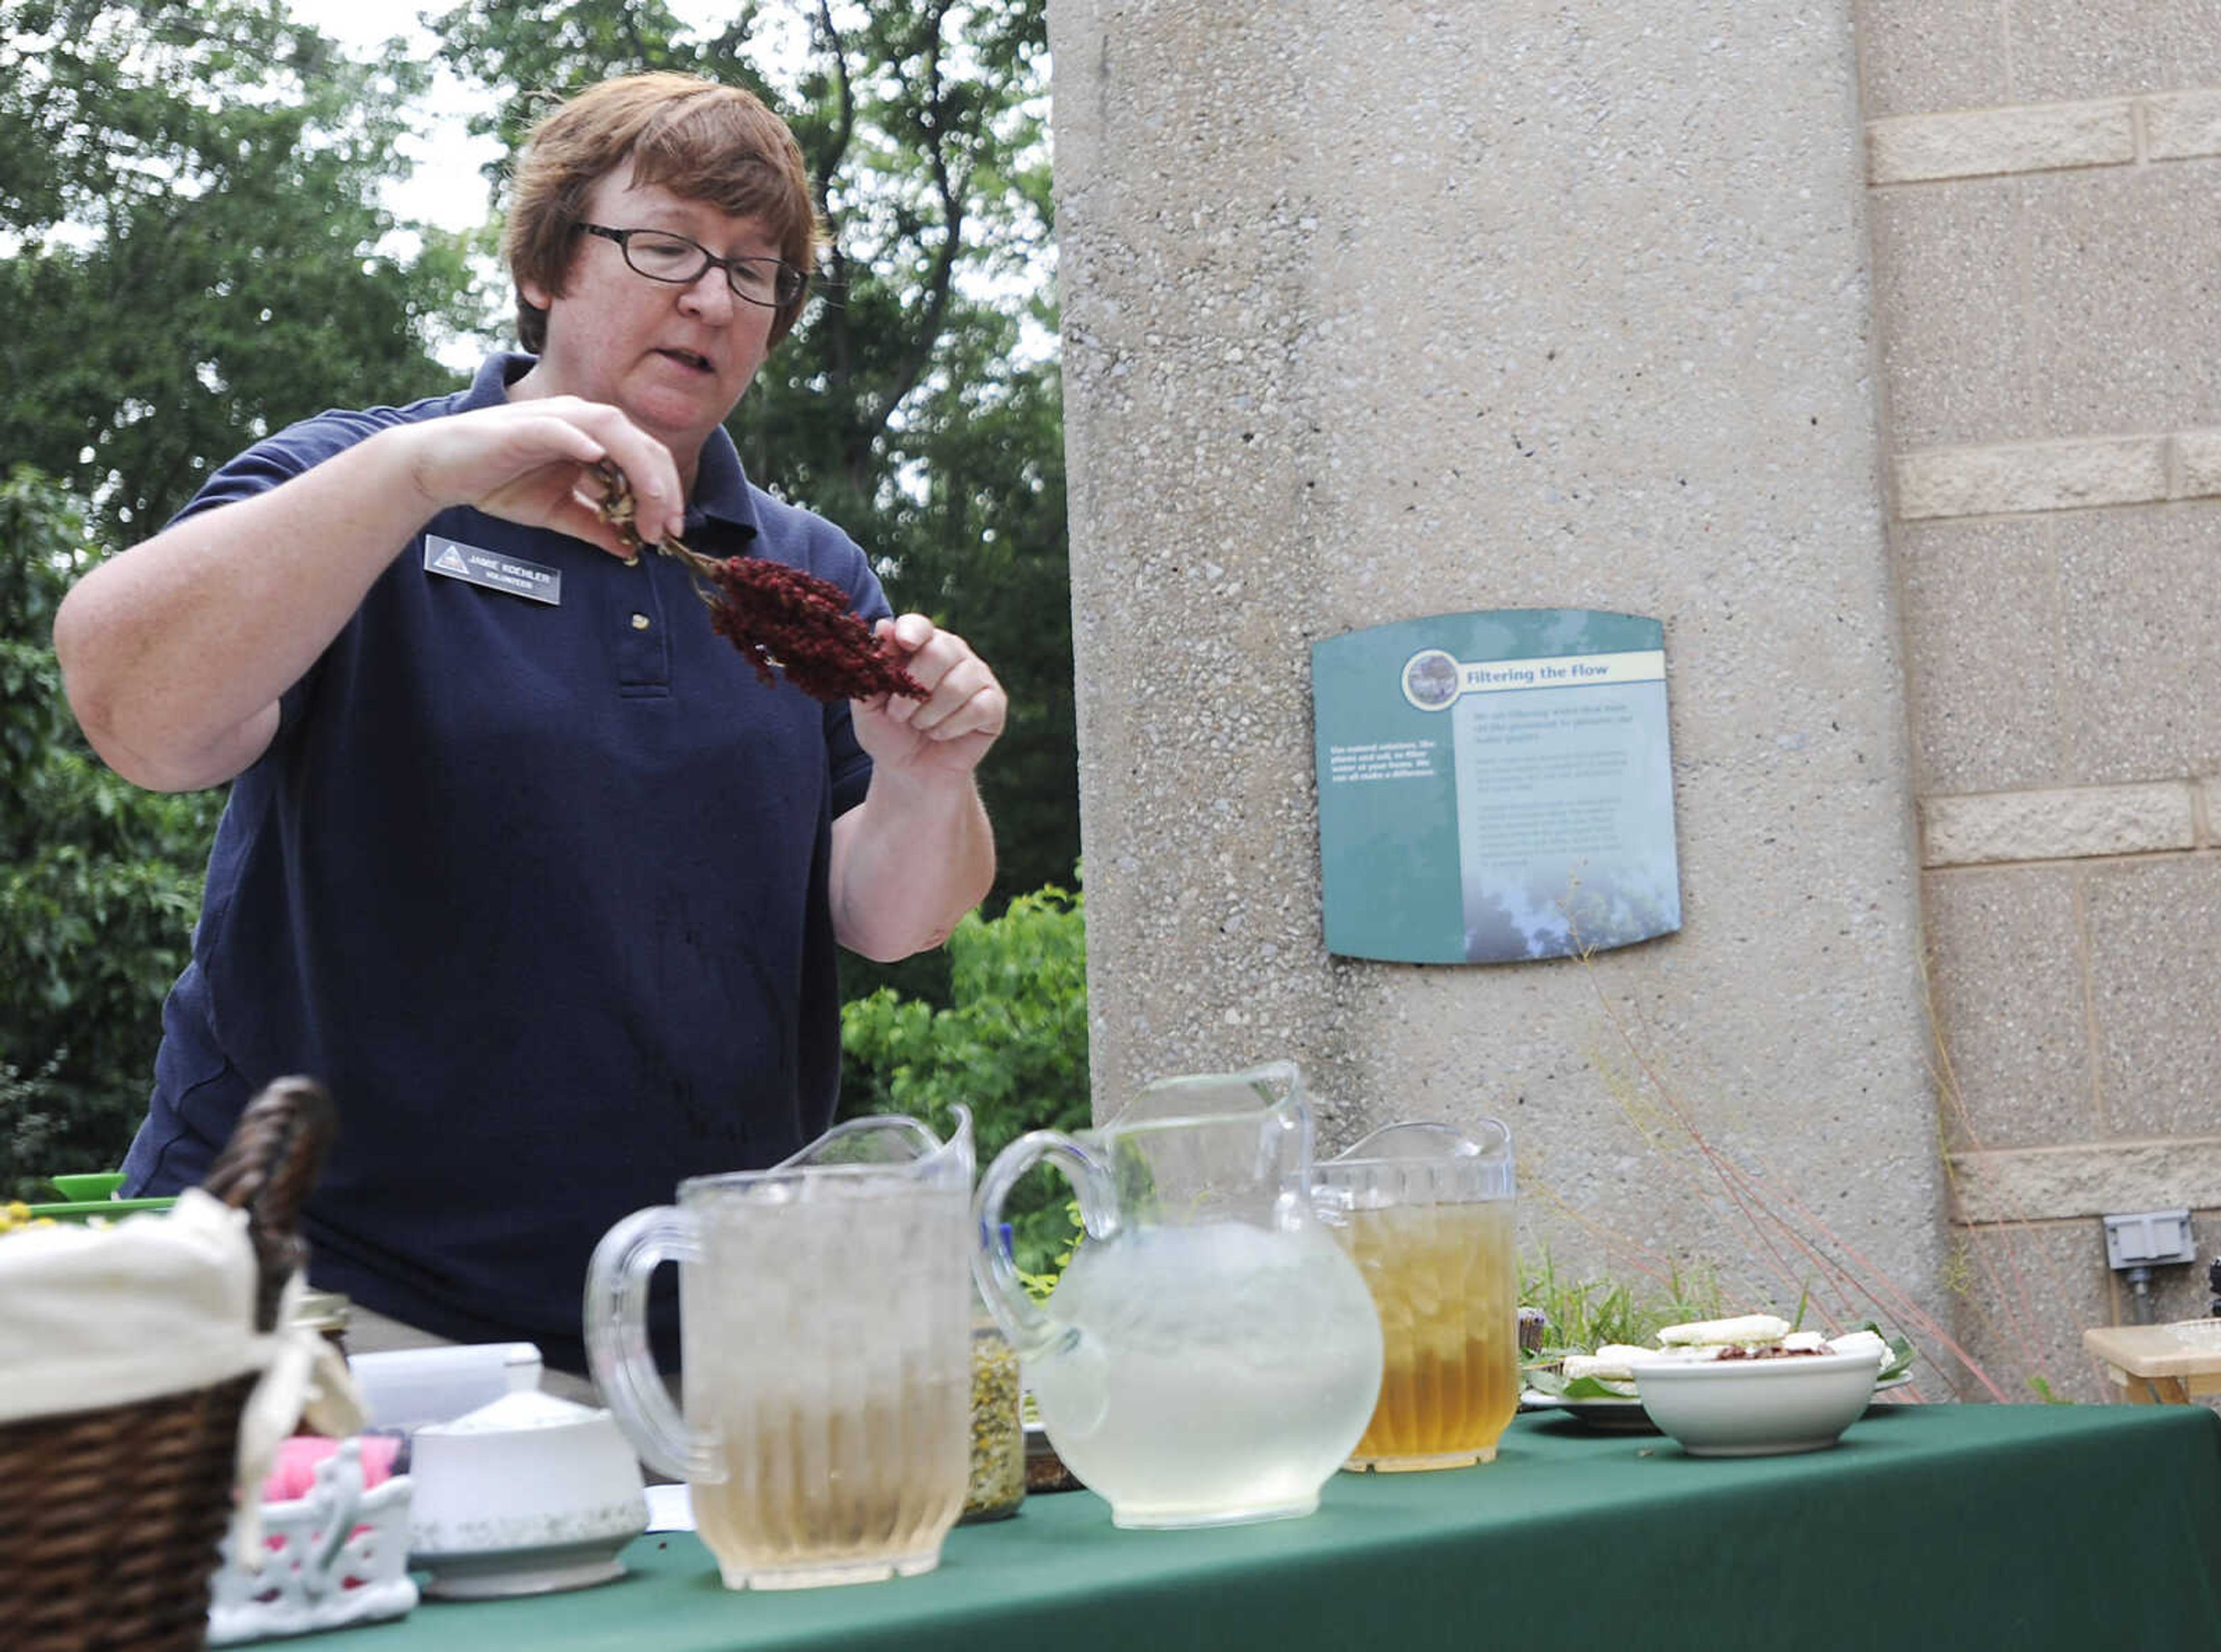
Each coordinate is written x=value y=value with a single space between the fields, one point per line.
x=532 y=462
x=175 y=652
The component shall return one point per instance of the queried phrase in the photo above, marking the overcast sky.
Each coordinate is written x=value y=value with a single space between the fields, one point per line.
x=448 y=188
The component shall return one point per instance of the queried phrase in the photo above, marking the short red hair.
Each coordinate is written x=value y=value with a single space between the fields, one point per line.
x=697 y=138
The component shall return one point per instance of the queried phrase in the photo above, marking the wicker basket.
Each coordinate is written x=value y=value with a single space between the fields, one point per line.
x=111 y=1521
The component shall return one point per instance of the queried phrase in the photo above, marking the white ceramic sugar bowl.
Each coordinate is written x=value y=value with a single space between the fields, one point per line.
x=527 y=1495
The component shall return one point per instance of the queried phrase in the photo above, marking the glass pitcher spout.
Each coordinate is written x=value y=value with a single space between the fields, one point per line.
x=1261 y=1088
x=1419 y=1162
x=890 y=1144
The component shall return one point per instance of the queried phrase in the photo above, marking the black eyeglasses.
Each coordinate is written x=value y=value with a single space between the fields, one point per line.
x=661 y=256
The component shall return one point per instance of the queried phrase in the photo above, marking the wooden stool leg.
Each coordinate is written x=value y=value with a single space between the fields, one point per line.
x=2157 y=1391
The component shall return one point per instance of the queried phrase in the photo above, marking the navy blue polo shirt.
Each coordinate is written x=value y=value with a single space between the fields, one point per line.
x=534 y=877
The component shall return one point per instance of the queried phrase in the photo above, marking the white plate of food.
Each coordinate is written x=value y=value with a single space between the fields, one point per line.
x=1605 y=1416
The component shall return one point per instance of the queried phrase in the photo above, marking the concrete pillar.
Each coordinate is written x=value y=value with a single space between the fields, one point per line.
x=1379 y=310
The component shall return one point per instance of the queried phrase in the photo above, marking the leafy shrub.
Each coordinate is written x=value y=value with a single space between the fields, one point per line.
x=99 y=883
x=1011 y=1045
x=1583 y=1315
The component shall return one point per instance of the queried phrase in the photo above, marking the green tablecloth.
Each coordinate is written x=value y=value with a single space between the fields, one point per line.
x=2091 y=1528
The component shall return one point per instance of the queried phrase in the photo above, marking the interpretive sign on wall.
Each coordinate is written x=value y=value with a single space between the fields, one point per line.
x=1495 y=786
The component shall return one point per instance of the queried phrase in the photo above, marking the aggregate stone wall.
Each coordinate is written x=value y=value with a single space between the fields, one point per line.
x=2044 y=179
x=1378 y=310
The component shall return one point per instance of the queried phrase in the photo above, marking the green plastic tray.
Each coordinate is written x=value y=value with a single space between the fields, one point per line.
x=78 y=1210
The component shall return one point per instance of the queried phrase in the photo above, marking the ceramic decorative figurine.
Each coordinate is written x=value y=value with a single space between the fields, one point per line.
x=302 y=1581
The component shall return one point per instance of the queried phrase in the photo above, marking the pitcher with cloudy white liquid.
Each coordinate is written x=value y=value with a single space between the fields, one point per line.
x=1211 y=1354
x=826 y=1325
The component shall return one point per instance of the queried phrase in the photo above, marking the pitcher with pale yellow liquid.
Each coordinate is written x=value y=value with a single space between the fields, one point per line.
x=825 y=1319
x=1427 y=1213
x=1211 y=1354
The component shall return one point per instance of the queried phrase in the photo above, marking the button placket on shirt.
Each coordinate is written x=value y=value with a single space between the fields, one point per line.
x=640 y=615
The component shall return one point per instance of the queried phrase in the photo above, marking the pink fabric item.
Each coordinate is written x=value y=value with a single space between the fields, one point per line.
x=294 y=1473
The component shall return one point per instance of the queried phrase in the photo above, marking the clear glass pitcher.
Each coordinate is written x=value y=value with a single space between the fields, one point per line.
x=1428 y=1213
x=1210 y=1355
x=826 y=1329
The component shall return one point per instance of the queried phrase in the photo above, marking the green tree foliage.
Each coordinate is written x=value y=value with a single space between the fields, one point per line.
x=99 y=882
x=1012 y=1046
x=192 y=252
x=917 y=405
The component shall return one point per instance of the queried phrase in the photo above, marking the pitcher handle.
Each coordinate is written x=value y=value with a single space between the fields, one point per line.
x=1033 y=1333
x=618 y=1346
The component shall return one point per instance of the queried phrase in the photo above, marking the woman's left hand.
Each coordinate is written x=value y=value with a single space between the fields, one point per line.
x=949 y=731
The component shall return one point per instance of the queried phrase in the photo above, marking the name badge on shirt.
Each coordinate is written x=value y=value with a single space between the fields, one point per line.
x=521 y=578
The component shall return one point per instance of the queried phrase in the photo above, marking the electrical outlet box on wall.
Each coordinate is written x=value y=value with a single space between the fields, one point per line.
x=2149 y=1239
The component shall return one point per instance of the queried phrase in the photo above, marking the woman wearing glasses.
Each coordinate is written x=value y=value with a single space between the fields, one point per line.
x=519 y=858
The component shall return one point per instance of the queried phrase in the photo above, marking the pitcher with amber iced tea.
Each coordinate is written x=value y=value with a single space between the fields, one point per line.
x=825 y=1318
x=1427 y=1212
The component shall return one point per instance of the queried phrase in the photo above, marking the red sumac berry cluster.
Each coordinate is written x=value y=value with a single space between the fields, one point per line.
x=782 y=618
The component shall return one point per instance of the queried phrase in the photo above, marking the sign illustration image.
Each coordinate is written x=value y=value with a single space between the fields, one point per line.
x=1495 y=786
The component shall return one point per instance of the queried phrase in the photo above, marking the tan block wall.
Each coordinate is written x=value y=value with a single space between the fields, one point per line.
x=2043 y=177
